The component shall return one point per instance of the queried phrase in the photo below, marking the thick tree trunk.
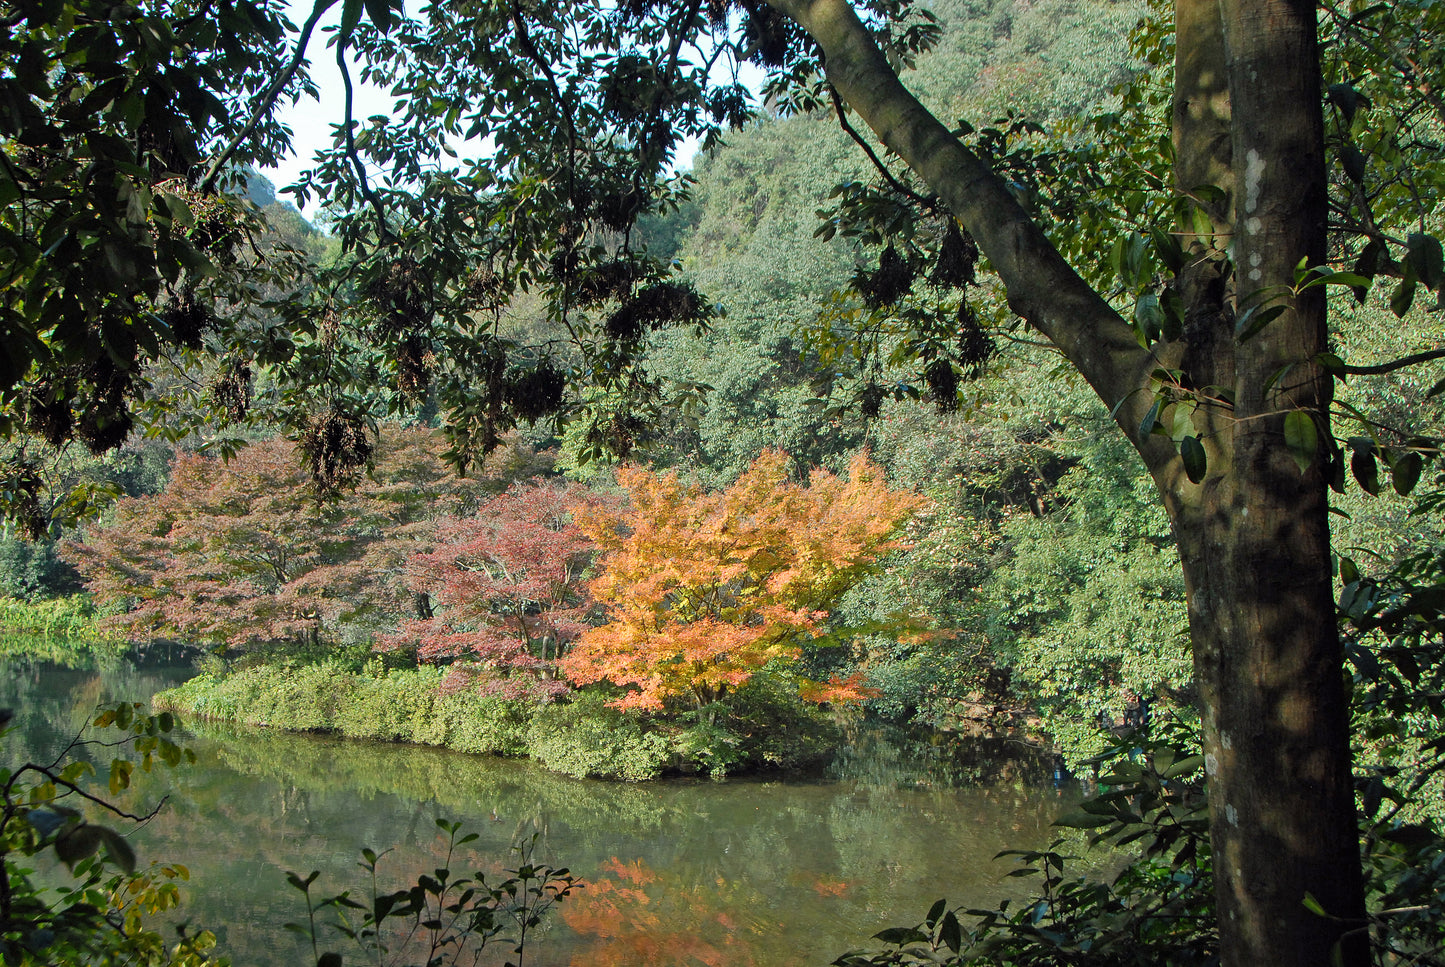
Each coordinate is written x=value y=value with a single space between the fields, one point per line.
x=1253 y=536
x=1255 y=543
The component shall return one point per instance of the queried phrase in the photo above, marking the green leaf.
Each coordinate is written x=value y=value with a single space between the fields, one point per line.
x=1353 y=160
x=1348 y=100
x=118 y=848
x=1302 y=438
x=951 y=934
x=1078 y=819
x=1184 y=766
x=120 y=770
x=1404 y=295
x=1169 y=250
x=76 y=844
x=1405 y=472
x=380 y=13
x=1362 y=465
x=1151 y=419
x=1191 y=451
x=1424 y=255
x=899 y=936
x=1255 y=318
x=1147 y=316
x=350 y=17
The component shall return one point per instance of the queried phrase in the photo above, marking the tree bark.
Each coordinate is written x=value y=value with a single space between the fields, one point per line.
x=1253 y=535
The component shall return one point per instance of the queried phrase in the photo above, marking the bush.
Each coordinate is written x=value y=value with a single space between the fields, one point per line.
x=31 y=570
x=587 y=738
x=762 y=726
x=55 y=629
x=402 y=705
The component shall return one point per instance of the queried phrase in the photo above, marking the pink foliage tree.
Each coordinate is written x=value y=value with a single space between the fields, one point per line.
x=509 y=591
x=242 y=553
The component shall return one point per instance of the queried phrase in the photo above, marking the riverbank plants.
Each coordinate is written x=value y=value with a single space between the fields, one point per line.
x=56 y=629
x=71 y=889
x=584 y=736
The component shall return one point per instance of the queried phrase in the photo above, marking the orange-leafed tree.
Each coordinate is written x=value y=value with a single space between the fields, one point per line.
x=705 y=590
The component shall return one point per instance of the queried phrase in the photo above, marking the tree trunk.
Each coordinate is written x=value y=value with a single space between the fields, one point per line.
x=1255 y=543
x=1253 y=535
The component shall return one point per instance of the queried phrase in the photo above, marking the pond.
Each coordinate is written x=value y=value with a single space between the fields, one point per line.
x=762 y=871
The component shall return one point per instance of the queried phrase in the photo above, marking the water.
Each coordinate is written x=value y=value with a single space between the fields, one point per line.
x=766 y=872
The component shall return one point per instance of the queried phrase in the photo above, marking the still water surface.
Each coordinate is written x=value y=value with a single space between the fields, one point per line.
x=766 y=872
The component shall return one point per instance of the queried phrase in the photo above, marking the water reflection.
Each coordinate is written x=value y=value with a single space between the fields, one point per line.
x=747 y=872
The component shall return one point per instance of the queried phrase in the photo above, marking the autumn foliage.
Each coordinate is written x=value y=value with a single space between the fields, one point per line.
x=243 y=552
x=704 y=590
x=508 y=587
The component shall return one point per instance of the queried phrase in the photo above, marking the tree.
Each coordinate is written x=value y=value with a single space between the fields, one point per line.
x=1215 y=363
x=117 y=244
x=1249 y=519
x=246 y=553
x=507 y=585
x=704 y=591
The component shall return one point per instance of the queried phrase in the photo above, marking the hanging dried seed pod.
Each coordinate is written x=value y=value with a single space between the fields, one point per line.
x=942 y=385
x=46 y=411
x=20 y=488
x=336 y=446
x=231 y=391
x=188 y=320
x=871 y=400
x=535 y=393
x=975 y=347
x=414 y=362
x=957 y=258
x=889 y=283
x=485 y=290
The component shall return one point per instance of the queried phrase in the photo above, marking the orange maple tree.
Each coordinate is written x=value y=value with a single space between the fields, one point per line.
x=704 y=590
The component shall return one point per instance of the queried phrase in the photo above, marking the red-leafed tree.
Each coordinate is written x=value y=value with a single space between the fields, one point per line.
x=704 y=590
x=507 y=584
x=242 y=552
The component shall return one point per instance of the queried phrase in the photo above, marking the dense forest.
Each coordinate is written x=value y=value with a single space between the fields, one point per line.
x=823 y=467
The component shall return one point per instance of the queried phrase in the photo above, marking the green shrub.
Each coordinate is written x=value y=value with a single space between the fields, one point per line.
x=32 y=570
x=402 y=705
x=483 y=725
x=760 y=727
x=588 y=739
x=54 y=630
x=780 y=732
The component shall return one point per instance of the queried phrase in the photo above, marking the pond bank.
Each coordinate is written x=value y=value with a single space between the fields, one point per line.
x=581 y=737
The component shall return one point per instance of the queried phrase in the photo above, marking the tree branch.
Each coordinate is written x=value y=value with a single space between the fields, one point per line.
x=268 y=96
x=840 y=109
x=363 y=185
x=1041 y=286
x=1381 y=368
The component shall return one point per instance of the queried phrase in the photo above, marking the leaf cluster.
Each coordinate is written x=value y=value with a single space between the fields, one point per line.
x=98 y=914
